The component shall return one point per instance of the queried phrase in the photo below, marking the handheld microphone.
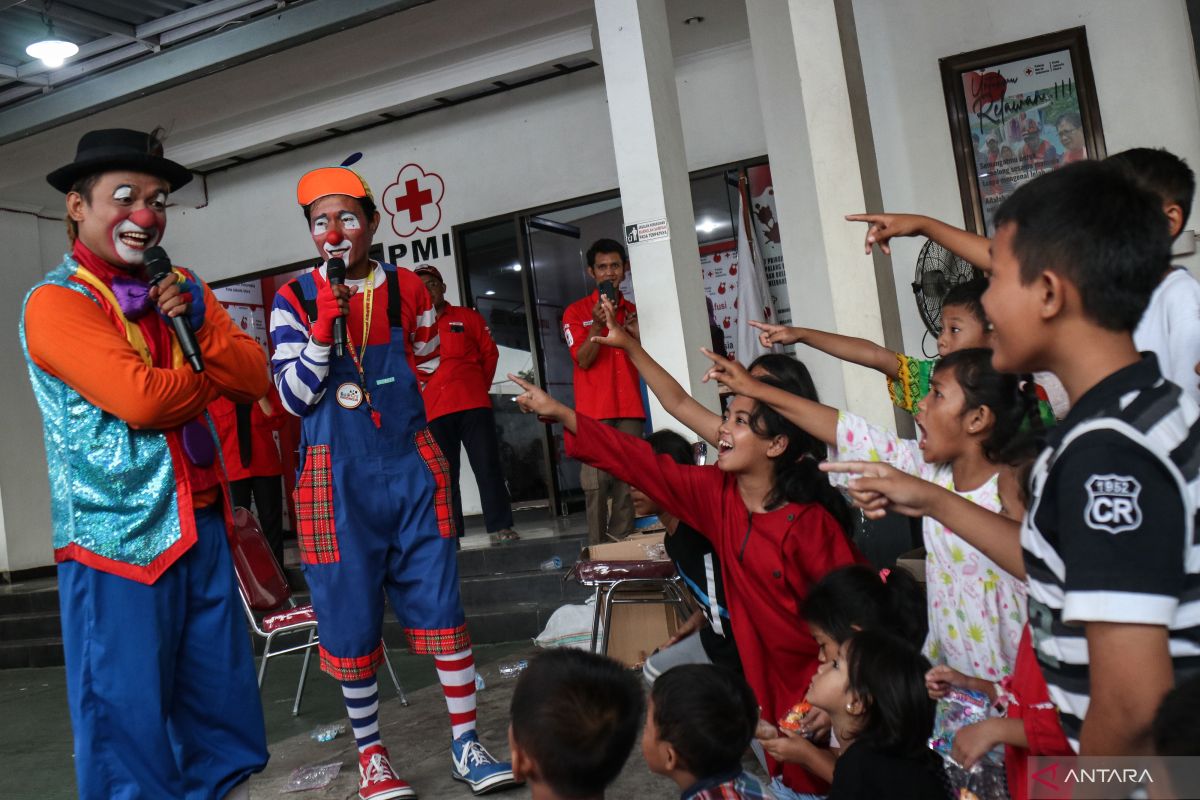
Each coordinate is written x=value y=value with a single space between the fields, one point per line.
x=335 y=270
x=158 y=264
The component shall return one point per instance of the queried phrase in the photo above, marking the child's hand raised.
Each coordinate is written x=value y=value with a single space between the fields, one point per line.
x=616 y=335
x=775 y=334
x=880 y=488
x=728 y=373
x=882 y=227
x=535 y=400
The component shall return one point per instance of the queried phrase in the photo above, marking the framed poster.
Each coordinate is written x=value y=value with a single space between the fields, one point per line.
x=1016 y=111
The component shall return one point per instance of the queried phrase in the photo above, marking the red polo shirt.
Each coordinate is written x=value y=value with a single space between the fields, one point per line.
x=463 y=378
x=610 y=387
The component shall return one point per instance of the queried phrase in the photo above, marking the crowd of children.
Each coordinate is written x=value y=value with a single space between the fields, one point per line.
x=1057 y=473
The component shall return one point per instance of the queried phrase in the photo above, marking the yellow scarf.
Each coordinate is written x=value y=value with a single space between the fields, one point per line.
x=133 y=333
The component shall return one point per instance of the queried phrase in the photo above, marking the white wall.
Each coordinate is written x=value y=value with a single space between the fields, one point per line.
x=32 y=247
x=533 y=146
x=1146 y=86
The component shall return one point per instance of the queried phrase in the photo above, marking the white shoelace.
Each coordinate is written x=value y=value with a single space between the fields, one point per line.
x=476 y=756
x=378 y=769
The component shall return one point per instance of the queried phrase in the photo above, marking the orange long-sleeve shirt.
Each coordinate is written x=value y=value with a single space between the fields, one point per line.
x=77 y=341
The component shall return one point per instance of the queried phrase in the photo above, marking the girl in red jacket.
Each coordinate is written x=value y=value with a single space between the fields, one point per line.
x=777 y=524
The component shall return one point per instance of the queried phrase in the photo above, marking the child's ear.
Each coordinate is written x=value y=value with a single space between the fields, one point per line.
x=777 y=447
x=1052 y=291
x=524 y=769
x=980 y=420
x=1175 y=218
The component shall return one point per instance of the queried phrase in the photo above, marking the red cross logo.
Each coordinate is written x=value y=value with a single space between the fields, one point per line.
x=414 y=201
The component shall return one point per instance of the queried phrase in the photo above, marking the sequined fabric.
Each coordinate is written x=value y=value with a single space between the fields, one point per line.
x=112 y=488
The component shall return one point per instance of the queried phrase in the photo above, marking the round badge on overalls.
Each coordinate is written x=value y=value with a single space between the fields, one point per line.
x=349 y=395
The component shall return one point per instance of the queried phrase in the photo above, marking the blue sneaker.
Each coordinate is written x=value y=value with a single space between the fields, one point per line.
x=474 y=765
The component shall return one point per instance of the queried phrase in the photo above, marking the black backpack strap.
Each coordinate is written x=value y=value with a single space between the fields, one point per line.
x=395 y=319
x=309 y=304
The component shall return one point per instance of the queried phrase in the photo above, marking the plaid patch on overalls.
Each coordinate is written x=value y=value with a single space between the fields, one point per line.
x=432 y=455
x=313 y=496
x=356 y=668
x=438 y=641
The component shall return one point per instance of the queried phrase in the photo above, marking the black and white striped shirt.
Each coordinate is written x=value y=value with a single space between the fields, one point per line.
x=1111 y=532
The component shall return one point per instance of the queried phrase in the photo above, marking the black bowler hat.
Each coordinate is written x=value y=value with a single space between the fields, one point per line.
x=119 y=148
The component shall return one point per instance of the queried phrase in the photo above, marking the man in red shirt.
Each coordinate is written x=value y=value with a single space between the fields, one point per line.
x=607 y=386
x=458 y=405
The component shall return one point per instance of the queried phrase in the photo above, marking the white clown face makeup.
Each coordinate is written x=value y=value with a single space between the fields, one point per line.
x=339 y=230
x=125 y=216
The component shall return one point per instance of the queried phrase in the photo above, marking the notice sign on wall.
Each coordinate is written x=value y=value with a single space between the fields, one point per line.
x=652 y=231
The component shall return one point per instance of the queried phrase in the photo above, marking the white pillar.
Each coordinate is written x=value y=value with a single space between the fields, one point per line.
x=639 y=78
x=814 y=152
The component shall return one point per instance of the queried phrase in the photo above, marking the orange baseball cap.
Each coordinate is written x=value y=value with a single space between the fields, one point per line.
x=325 y=181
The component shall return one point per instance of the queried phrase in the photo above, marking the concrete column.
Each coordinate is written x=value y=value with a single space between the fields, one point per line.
x=814 y=114
x=639 y=78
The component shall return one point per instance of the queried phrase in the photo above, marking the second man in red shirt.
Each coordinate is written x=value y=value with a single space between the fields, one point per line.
x=458 y=405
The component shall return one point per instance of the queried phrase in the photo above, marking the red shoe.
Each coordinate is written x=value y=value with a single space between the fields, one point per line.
x=376 y=780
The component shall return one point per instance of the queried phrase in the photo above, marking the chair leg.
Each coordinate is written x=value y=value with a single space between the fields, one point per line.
x=392 y=671
x=596 y=620
x=608 y=611
x=303 y=673
x=262 y=668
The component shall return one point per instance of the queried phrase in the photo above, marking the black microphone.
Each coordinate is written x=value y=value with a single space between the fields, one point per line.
x=158 y=264
x=335 y=270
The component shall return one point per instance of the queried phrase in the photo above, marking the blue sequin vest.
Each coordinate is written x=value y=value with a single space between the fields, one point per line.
x=113 y=490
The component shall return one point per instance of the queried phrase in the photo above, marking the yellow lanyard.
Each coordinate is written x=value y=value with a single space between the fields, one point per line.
x=368 y=306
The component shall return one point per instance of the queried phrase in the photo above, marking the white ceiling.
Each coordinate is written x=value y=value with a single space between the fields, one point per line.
x=403 y=63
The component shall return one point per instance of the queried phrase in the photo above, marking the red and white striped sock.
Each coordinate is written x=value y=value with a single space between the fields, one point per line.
x=457 y=675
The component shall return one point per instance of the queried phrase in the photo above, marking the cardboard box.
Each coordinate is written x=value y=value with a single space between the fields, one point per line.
x=636 y=629
x=913 y=562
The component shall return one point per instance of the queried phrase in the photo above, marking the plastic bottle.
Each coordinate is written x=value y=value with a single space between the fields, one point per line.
x=327 y=733
x=479 y=684
x=513 y=668
x=551 y=564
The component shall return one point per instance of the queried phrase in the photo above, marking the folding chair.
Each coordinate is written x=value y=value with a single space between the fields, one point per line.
x=269 y=605
x=628 y=583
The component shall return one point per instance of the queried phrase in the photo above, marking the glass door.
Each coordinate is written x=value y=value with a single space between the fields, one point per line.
x=493 y=286
x=558 y=278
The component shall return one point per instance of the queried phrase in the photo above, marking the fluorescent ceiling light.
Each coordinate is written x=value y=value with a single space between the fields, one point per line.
x=52 y=52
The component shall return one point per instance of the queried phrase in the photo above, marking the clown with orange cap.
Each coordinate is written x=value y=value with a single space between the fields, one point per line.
x=373 y=511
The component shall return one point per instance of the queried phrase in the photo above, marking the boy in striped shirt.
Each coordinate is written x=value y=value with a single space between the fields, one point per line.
x=1108 y=541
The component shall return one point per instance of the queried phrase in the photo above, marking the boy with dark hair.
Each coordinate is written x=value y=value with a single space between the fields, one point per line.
x=574 y=720
x=1170 y=328
x=1108 y=543
x=700 y=720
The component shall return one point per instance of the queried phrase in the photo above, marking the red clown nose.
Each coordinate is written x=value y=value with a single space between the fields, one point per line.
x=334 y=238
x=144 y=218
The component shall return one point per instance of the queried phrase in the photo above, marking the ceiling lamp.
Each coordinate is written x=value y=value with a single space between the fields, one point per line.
x=51 y=50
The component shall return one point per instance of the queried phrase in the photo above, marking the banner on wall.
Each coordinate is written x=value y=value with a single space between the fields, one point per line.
x=767 y=240
x=718 y=265
x=244 y=302
x=754 y=299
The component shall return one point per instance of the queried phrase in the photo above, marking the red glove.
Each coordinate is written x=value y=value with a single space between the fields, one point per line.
x=327 y=311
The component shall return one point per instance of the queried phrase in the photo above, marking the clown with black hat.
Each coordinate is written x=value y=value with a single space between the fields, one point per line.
x=373 y=512
x=160 y=677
